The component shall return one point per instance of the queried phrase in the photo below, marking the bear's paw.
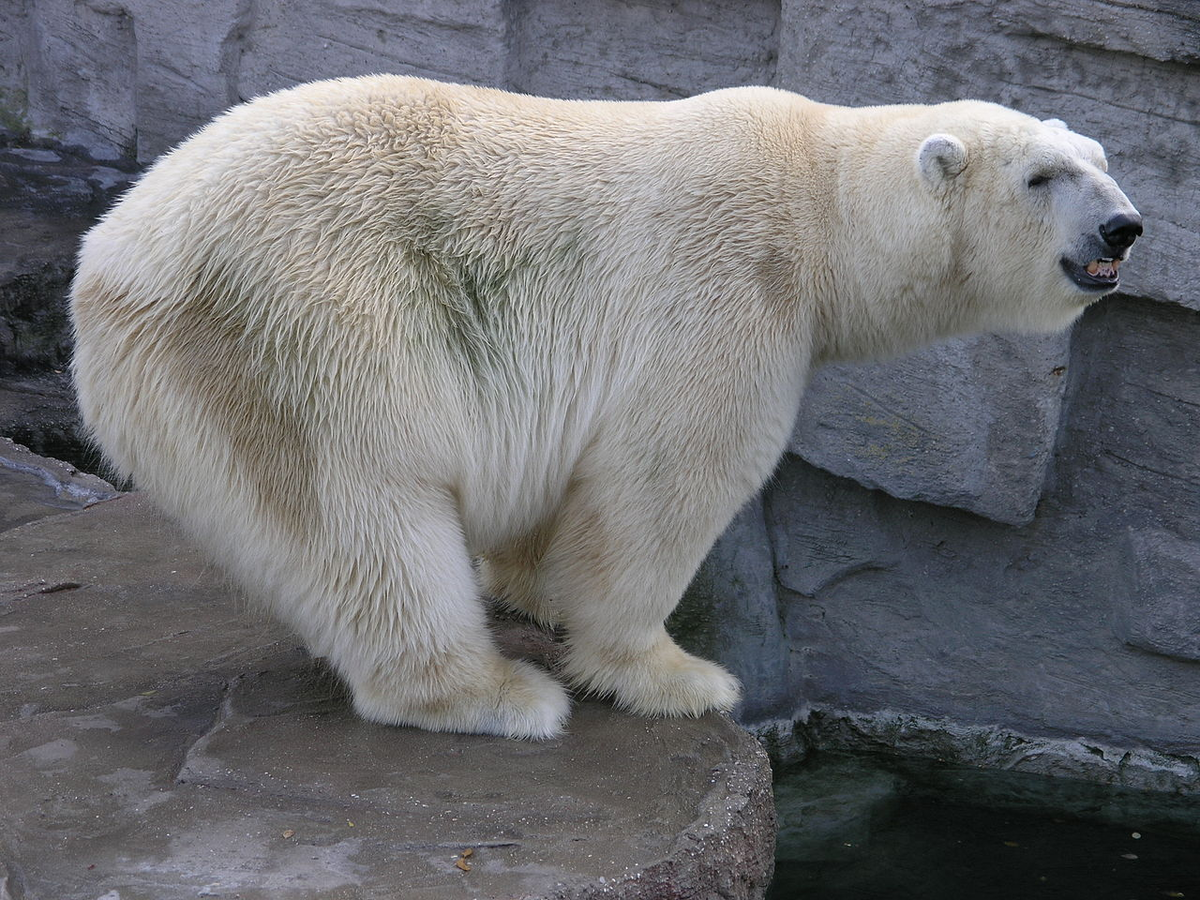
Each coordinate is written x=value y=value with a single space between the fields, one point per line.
x=662 y=681
x=519 y=700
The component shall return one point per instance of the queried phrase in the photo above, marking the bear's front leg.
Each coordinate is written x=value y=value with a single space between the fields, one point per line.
x=617 y=565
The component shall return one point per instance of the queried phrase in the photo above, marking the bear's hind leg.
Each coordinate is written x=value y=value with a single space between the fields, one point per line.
x=510 y=575
x=409 y=633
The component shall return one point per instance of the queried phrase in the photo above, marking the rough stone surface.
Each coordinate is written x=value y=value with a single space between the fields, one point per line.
x=38 y=410
x=135 y=78
x=616 y=50
x=887 y=732
x=1157 y=608
x=128 y=79
x=968 y=423
x=157 y=742
x=49 y=194
x=82 y=70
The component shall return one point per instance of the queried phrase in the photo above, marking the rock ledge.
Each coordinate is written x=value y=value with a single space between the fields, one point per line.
x=156 y=742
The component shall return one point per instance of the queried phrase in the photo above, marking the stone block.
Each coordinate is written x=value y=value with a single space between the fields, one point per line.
x=14 y=77
x=184 y=74
x=610 y=49
x=287 y=43
x=1135 y=414
x=136 y=78
x=969 y=423
x=82 y=60
x=1125 y=75
x=890 y=605
x=1156 y=607
x=125 y=79
x=1139 y=784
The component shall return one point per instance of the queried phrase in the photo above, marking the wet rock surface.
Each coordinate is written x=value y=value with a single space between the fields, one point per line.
x=34 y=486
x=157 y=741
x=37 y=410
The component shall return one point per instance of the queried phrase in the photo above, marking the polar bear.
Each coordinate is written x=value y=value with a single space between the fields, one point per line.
x=356 y=334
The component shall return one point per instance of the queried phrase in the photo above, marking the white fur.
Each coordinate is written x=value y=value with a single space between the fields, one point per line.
x=356 y=333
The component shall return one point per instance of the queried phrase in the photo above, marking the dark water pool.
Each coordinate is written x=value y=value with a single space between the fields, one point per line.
x=868 y=828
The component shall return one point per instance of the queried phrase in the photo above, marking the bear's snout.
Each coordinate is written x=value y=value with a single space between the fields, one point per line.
x=1121 y=230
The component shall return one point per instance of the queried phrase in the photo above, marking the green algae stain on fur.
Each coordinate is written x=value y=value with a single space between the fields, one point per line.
x=470 y=300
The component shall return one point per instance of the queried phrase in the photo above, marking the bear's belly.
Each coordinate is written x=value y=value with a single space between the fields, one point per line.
x=515 y=476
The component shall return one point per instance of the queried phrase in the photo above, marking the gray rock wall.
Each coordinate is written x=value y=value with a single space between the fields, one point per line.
x=1082 y=623
x=999 y=532
x=1075 y=611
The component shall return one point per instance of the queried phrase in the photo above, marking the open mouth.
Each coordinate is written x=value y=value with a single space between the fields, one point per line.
x=1098 y=275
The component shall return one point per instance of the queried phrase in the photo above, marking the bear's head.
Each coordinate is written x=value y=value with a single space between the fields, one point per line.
x=1041 y=229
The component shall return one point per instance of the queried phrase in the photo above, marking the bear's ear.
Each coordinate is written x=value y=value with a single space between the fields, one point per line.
x=1056 y=123
x=941 y=158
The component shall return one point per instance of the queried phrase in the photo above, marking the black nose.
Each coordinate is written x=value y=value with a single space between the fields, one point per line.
x=1122 y=230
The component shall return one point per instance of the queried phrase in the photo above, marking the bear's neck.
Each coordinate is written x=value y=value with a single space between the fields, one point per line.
x=891 y=278
x=859 y=319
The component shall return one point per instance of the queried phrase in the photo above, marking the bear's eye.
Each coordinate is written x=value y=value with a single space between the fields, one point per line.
x=1038 y=180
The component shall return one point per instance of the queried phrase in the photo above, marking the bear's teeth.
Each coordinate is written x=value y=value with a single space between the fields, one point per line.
x=1093 y=268
x=1102 y=268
